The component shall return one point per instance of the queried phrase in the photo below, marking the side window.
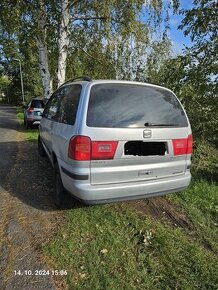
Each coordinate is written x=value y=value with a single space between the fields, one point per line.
x=47 y=106
x=51 y=109
x=69 y=104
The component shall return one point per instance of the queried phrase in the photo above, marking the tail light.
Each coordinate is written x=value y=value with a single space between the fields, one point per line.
x=189 y=144
x=182 y=146
x=30 y=110
x=81 y=148
x=103 y=149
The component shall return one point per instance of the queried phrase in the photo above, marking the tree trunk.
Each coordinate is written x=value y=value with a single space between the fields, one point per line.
x=63 y=41
x=43 y=67
x=42 y=52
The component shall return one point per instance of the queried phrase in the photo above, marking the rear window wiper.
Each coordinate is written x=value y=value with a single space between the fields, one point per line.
x=147 y=124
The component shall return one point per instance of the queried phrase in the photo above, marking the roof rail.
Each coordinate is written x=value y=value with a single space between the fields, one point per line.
x=82 y=78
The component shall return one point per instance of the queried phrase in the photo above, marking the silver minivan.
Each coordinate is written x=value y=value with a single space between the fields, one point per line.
x=115 y=140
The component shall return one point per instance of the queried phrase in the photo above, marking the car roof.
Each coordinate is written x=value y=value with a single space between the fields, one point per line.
x=36 y=99
x=103 y=81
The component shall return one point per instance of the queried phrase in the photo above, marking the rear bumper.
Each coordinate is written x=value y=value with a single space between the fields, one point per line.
x=34 y=121
x=94 y=194
x=127 y=198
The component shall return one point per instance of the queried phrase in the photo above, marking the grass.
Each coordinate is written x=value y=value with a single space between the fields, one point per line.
x=112 y=247
x=30 y=134
x=200 y=202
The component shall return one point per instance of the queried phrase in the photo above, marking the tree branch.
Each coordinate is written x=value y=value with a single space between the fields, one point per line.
x=70 y=5
x=86 y=18
x=88 y=54
x=83 y=50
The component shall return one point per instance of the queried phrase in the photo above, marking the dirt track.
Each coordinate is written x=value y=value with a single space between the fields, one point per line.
x=27 y=217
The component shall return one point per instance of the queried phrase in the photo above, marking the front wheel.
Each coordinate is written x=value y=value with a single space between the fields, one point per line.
x=59 y=191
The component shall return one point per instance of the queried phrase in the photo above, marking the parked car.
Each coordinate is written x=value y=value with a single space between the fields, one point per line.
x=33 y=112
x=115 y=140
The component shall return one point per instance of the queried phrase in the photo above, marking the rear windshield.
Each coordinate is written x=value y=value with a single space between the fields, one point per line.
x=126 y=106
x=37 y=104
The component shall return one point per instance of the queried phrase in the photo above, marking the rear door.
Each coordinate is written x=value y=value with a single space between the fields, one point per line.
x=63 y=129
x=49 y=116
x=146 y=124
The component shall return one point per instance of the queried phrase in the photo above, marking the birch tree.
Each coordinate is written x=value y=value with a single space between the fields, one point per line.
x=63 y=41
x=121 y=27
x=42 y=50
x=119 y=31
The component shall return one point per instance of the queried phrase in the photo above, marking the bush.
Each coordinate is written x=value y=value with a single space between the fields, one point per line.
x=205 y=159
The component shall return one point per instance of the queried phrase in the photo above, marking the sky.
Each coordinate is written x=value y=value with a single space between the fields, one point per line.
x=179 y=41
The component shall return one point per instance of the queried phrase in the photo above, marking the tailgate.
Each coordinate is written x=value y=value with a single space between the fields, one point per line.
x=139 y=159
x=145 y=122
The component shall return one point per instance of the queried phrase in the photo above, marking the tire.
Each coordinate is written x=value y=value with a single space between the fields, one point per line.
x=59 y=191
x=41 y=149
x=27 y=125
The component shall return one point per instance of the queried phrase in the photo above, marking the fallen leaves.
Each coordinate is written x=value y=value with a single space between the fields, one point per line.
x=104 y=251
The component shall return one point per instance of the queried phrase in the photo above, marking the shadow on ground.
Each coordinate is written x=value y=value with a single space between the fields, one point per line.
x=31 y=180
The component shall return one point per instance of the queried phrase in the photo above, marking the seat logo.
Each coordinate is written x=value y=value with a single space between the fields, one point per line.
x=147 y=134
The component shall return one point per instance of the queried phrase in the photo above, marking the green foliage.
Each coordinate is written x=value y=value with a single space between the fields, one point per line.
x=108 y=39
x=193 y=76
x=200 y=67
x=20 y=115
x=4 y=83
x=200 y=22
x=197 y=94
x=4 y=87
x=18 y=42
x=205 y=160
x=119 y=44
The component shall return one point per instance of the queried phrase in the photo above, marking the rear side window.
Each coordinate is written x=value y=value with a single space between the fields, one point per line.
x=39 y=104
x=69 y=104
x=133 y=106
x=51 y=108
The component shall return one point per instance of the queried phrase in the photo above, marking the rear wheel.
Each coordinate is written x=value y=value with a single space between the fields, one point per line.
x=59 y=191
x=27 y=124
x=41 y=149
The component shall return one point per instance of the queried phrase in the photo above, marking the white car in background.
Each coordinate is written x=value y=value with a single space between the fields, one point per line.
x=33 y=112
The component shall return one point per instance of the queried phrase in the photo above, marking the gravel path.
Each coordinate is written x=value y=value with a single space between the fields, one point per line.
x=27 y=215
